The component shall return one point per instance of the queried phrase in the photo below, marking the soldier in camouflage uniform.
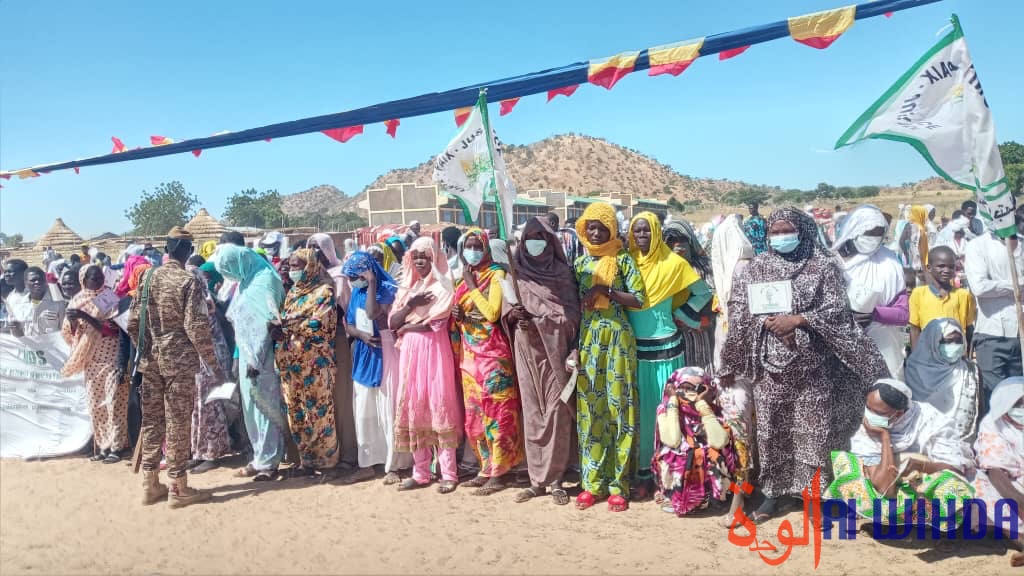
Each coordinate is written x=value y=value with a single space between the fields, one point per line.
x=169 y=325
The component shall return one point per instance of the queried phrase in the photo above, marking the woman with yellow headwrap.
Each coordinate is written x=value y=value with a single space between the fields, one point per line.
x=606 y=395
x=919 y=237
x=668 y=279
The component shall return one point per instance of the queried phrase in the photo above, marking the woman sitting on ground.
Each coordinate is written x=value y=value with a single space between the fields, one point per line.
x=694 y=458
x=938 y=374
x=1000 y=454
x=904 y=451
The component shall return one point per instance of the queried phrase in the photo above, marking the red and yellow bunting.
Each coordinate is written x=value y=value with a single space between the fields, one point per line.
x=461 y=115
x=508 y=105
x=160 y=140
x=606 y=72
x=673 y=58
x=821 y=29
x=392 y=126
x=732 y=53
x=563 y=91
x=344 y=134
x=118 y=145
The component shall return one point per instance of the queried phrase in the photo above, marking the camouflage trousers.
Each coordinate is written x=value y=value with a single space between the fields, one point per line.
x=167 y=415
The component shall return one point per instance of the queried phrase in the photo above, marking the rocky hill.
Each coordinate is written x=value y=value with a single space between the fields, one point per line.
x=322 y=199
x=575 y=163
x=584 y=165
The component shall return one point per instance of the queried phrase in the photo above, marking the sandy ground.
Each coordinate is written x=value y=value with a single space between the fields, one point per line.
x=71 y=516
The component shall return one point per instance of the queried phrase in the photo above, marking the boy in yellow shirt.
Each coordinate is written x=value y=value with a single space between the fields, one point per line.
x=939 y=299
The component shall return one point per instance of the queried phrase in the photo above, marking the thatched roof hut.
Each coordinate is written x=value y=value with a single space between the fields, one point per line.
x=205 y=227
x=59 y=235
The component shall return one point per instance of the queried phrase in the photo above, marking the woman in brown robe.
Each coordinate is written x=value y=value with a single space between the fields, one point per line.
x=545 y=324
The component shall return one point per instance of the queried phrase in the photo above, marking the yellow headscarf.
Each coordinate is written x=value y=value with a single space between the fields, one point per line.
x=607 y=268
x=206 y=250
x=389 y=256
x=666 y=274
x=919 y=217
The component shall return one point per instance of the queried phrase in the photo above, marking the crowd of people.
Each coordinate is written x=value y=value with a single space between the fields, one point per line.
x=649 y=358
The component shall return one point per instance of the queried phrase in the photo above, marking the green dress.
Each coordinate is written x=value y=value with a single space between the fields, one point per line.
x=606 y=394
x=659 y=351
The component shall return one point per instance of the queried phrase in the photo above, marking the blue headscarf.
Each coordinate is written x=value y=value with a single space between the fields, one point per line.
x=360 y=262
x=367 y=361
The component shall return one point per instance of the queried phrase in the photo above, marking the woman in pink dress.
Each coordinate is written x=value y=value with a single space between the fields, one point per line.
x=429 y=412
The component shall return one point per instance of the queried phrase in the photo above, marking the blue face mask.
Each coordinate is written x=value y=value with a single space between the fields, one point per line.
x=784 y=243
x=473 y=257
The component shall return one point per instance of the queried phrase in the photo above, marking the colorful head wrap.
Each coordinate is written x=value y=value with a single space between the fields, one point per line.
x=606 y=254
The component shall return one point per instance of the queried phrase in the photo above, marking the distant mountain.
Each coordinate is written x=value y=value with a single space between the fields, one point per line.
x=322 y=199
x=574 y=163
x=582 y=165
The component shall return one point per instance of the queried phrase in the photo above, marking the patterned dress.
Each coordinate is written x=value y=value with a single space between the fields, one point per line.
x=210 y=438
x=493 y=408
x=305 y=360
x=606 y=391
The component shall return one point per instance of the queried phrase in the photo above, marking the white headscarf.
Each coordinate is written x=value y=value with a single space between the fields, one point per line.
x=729 y=245
x=876 y=278
x=921 y=429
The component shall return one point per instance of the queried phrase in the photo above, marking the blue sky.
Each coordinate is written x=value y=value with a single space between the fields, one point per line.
x=76 y=76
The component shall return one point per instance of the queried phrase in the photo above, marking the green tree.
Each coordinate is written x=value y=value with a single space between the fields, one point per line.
x=252 y=208
x=676 y=204
x=169 y=205
x=745 y=196
x=11 y=240
x=1012 y=154
x=342 y=222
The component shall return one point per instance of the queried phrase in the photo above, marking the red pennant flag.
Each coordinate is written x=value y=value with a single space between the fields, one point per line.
x=118 y=145
x=267 y=139
x=160 y=140
x=508 y=105
x=392 y=126
x=726 y=54
x=343 y=134
x=76 y=170
x=564 y=91
x=196 y=153
x=461 y=115
x=888 y=14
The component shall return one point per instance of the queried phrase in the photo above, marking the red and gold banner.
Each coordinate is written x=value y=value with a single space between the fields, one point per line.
x=726 y=54
x=821 y=29
x=606 y=72
x=563 y=91
x=673 y=58
x=160 y=140
x=392 y=126
x=508 y=105
x=461 y=115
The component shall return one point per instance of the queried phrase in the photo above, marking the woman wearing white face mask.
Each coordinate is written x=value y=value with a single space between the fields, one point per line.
x=875 y=284
x=545 y=324
x=900 y=443
x=939 y=375
x=1000 y=453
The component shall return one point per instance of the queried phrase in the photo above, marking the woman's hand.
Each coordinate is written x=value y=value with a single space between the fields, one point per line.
x=369 y=276
x=573 y=361
x=251 y=372
x=457 y=314
x=276 y=331
x=520 y=316
x=590 y=298
x=874 y=431
x=421 y=299
x=467 y=277
x=369 y=339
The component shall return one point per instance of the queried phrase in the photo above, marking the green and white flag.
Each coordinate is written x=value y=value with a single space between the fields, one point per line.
x=473 y=170
x=938 y=107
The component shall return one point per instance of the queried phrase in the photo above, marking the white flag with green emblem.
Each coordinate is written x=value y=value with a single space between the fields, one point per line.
x=938 y=107
x=473 y=170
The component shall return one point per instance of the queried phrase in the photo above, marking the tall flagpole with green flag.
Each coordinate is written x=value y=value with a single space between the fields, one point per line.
x=939 y=108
